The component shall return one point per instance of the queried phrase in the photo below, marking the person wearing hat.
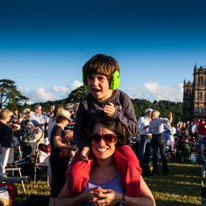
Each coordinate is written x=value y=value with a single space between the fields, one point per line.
x=60 y=152
x=30 y=135
x=145 y=147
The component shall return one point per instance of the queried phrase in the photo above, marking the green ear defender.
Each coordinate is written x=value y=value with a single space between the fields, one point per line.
x=113 y=84
x=84 y=83
x=115 y=80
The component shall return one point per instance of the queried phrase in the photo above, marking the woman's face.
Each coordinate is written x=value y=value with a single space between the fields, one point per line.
x=9 y=117
x=101 y=148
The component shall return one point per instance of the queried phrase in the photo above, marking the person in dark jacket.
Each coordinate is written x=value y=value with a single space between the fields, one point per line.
x=6 y=137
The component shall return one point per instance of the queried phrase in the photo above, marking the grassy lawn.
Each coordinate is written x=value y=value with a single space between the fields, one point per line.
x=180 y=188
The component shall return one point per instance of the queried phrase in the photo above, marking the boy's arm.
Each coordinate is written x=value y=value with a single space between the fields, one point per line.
x=79 y=127
x=126 y=115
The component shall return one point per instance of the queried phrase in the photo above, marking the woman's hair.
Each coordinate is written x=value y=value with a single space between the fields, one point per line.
x=58 y=108
x=4 y=114
x=60 y=119
x=155 y=114
x=116 y=126
x=100 y=64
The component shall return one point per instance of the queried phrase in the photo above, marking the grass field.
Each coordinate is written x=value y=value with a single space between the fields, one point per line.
x=182 y=187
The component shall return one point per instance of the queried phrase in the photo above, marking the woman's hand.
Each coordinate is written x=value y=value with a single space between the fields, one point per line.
x=107 y=197
x=90 y=195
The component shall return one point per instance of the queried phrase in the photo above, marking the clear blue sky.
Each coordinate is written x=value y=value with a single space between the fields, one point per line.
x=44 y=44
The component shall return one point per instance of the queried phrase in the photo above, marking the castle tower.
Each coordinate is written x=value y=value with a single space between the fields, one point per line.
x=194 y=96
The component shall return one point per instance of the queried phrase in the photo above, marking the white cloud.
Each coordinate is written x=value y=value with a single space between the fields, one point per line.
x=54 y=93
x=153 y=91
x=158 y=92
x=150 y=90
x=62 y=90
x=136 y=93
x=75 y=85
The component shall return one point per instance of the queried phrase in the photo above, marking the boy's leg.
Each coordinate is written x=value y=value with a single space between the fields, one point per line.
x=128 y=165
x=77 y=174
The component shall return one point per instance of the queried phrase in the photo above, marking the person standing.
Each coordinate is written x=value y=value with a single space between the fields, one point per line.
x=145 y=147
x=29 y=133
x=39 y=119
x=156 y=126
x=60 y=152
x=6 y=137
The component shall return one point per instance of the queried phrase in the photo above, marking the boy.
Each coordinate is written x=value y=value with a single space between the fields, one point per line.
x=101 y=76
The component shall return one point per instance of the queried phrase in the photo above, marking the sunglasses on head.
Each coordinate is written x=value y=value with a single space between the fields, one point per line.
x=108 y=138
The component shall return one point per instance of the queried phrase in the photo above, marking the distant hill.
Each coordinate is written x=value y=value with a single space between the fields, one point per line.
x=140 y=105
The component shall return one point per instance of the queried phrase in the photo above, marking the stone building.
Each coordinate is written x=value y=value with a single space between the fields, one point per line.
x=194 y=96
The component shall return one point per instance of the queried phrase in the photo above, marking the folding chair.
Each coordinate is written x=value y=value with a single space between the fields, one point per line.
x=42 y=161
x=13 y=167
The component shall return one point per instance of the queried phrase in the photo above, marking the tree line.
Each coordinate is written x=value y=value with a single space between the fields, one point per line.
x=12 y=99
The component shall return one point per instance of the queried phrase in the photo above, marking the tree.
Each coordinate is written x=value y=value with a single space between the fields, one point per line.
x=77 y=94
x=9 y=95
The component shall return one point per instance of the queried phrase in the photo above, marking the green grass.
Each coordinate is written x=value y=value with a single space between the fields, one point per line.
x=182 y=187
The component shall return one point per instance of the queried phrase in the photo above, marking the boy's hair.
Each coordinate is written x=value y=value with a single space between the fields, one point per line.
x=101 y=64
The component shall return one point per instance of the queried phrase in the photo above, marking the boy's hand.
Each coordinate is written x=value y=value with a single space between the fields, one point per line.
x=109 y=109
x=85 y=153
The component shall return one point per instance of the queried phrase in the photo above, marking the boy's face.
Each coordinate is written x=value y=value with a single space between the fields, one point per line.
x=99 y=87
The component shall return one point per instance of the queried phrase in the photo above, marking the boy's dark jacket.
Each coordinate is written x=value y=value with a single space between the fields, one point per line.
x=89 y=107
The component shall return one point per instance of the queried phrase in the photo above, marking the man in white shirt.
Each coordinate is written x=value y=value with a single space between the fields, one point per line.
x=145 y=142
x=39 y=119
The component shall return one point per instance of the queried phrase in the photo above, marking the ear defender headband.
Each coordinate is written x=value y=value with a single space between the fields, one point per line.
x=113 y=84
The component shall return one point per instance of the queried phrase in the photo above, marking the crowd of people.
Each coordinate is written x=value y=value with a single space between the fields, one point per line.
x=91 y=160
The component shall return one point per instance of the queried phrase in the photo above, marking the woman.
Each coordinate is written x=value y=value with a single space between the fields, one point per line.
x=52 y=121
x=156 y=127
x=6 y=137
x=105 y=185
x=60 y=152
x=29 y=133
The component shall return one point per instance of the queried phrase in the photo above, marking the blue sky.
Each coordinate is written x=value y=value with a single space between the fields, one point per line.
x=44 y=44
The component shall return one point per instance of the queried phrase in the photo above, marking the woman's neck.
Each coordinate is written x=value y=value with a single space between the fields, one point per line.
x=3 y=121
x=106 y=167
x=60 y=125
x=105 y=162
